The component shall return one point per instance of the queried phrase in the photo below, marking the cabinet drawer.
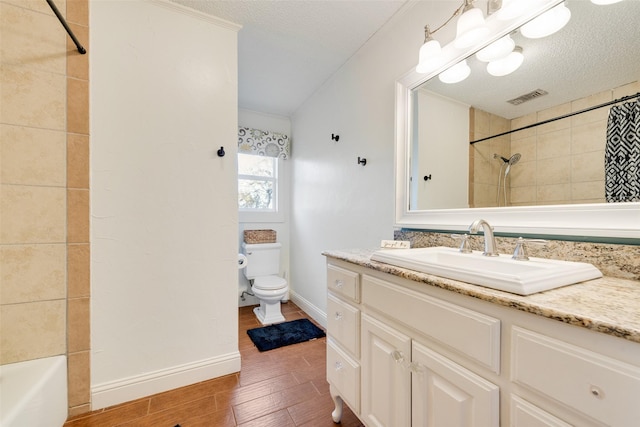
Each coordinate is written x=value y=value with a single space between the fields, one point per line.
x=343 y=282
x=596 y=385
x=473 y=334
x=343 y=324
x=344 y=374
x=525 y=414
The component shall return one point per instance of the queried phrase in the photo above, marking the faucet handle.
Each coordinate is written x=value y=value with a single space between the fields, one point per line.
x=520 y=253
x=465 y=246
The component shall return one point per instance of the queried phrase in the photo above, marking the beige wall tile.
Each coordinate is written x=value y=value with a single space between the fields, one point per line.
x=77 y=161
x=44 y=49
x=523 y=195
x=590 y=101
x=79 y=378
x=32 y=330
x=32 y=156
x=32 y=273
x=588 y=167
x=78 y=106
x=78 y=216
x=77 y=63
x=628 y=89
x=588 y=192
x=558 y=193
x=556 y=170
x=78 y=12
x=554 y=144
x=78 y=273
x=526 y=147
x=523 y=174
x=482 y=123
x=589 y=137
x=551 y=113
x=39 y=6
x=523 y=121
x=32 y=98
x=32 y=214
x=79 y=330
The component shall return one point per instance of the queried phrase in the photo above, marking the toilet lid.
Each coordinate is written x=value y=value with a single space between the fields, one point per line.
x=269 y=282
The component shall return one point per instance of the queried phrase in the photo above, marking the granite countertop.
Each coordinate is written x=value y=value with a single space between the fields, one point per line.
x=608 y=305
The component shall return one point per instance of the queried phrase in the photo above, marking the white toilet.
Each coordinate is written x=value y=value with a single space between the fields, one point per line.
x=263 y=266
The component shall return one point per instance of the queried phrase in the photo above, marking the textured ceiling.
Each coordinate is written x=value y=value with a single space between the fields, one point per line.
x=597 y=50
x=288 y=49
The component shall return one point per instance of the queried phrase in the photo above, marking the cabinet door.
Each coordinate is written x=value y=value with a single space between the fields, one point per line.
x=444 y=394
x=386 y=378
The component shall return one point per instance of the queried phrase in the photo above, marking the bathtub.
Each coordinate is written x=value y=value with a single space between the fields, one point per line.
x=34 y=393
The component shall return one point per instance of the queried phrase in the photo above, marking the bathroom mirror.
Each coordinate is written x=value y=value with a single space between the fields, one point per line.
x=488 y=95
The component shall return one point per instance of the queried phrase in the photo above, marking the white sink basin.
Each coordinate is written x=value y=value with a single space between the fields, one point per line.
x=500 y=272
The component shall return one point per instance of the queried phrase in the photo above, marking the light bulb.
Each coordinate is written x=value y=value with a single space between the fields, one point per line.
x=470 y=28
x=496 y=50
x=547 y=23
x=604 y=2
x=455 y=74
x=508 y=65
x=511 y=9
x=430 y=57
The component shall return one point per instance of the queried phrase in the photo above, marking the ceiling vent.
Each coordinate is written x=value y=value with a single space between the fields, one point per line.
x=528 y=97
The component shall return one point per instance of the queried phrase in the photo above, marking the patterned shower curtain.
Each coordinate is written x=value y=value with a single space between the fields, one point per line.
x=622 y=154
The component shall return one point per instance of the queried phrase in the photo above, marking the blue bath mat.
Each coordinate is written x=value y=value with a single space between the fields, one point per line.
x=282 y=334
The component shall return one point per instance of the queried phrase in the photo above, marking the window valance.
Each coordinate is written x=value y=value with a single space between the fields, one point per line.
x=262 y=143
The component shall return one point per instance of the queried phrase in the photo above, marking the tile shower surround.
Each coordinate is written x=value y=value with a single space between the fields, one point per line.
x=614 y=260
x=44 y=201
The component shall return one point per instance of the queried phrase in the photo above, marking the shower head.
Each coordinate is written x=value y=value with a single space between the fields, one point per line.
x=498 y=156
x=514 y=159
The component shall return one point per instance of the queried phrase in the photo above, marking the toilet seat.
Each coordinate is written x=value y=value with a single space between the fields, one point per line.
x=269 y=283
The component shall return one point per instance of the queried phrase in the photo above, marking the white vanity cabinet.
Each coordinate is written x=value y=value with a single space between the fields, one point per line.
x=343 y=338
x=402 y=353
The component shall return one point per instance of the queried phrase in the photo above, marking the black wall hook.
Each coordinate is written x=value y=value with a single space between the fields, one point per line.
x=427 y=177
x=335 y=137
x=362 y=161
x=221 y=152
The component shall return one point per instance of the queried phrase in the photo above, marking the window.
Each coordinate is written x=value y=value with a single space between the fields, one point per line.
x=257 y=183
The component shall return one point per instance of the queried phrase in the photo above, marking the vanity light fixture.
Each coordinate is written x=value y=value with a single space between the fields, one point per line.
x=548 y=23
x=455 y=74
x=470 y=27
x=511 y=9
x=502 y=67
x=497 y=50
x=430 y=56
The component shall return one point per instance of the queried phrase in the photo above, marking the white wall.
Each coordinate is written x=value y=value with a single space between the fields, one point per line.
x=337 y=203
x=280 y=124
x=163 y=204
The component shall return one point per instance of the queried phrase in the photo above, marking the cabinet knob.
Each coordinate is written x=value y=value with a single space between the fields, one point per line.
x=338 y=315
x=339 y=283
x=398 y=357
x=338 y=366
x=596 y=392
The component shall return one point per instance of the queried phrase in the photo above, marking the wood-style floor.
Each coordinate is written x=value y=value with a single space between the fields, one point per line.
x=278 y=388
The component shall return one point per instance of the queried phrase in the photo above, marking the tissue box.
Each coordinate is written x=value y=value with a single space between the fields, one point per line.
x=259 y=236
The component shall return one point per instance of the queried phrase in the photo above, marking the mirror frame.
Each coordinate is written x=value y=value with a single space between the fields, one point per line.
x=614 y=221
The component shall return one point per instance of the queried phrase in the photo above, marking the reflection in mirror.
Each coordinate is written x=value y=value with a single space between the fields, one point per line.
x=591 y=61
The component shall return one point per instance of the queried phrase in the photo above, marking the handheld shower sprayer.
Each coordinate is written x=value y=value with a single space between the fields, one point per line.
x=508 y=162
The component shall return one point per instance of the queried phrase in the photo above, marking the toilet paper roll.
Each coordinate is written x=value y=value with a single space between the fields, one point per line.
x=242 y=261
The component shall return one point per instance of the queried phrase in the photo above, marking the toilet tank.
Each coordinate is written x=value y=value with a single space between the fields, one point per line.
x=263 y=259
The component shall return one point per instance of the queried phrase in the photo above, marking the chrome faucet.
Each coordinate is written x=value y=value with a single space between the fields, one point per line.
x=489 y=239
